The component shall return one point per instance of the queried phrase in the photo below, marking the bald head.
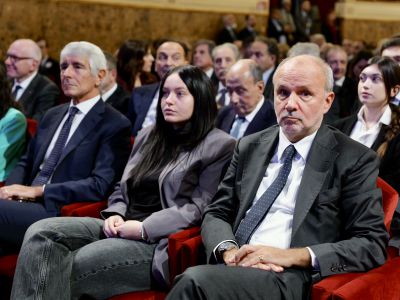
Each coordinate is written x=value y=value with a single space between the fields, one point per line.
x=23 y=59
x=302 y=95
x=245 y=86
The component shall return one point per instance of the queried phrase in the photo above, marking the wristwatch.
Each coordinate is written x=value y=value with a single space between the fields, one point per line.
x=225 y=246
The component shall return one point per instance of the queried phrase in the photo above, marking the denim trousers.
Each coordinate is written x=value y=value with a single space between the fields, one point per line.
x=70 y=258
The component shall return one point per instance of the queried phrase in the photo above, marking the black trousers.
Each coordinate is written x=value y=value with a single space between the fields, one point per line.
x=16 y=217
x=223 y=282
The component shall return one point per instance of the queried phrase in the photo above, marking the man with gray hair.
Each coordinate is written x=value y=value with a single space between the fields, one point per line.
x=224 y=56
x=298 y=202
x=35 y=92
x=78 y=153
x=249 y=111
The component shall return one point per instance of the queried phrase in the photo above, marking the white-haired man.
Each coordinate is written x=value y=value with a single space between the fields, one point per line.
x=79 y=151
x=35 y=92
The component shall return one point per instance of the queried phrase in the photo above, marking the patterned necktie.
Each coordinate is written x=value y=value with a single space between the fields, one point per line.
x=236 y=129
x=221 y=100
x=15 y=92
x=260 y=209
x=51 y=162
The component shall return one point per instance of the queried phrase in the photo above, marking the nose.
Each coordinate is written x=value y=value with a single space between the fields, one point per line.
x=234 y=98
x=291 y=103
x=66 y=72
x=8 y=60
x=170 y=99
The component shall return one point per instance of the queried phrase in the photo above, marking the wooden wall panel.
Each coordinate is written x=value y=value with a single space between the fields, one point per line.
x=106 y=25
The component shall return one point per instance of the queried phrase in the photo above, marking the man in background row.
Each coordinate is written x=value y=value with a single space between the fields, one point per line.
x=35 y=92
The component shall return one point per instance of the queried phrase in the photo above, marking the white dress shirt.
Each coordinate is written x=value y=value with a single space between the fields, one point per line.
x=23 y=85
x=266 y=74
x=248 y=119
x=107 y=94
x=367 y=136
x=150 y=118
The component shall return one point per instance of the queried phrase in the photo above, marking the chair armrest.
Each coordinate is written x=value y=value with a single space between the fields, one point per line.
x=83 y=209
x=175 y=243
x=379 y=283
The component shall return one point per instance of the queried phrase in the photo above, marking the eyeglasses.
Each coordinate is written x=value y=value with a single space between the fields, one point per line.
x=15 y=59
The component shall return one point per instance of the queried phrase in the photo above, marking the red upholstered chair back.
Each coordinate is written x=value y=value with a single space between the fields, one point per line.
x=390 y=197
x=31 y=127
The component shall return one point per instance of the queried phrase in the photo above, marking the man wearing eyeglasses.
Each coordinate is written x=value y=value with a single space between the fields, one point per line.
x=35 y=92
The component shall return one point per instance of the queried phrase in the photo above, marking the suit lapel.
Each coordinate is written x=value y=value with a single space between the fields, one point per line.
x=25 y=98
x=320 y=158
x=88 y=123
x=54 y=121
x=380 y=138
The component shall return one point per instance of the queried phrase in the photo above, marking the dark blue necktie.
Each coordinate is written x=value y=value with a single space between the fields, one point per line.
x=260 y=209
x=15 y=92
x=51 y=162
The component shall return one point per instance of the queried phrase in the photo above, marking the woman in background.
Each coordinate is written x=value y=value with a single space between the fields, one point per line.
x=377 y=124
x=134 y=62
x=12 y=128
x=171 y=176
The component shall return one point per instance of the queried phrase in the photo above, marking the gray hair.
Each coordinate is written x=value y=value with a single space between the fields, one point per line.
x=231 y=46
x=304 y=49
x=323 y=65
x=93 y=53
x=255 y=71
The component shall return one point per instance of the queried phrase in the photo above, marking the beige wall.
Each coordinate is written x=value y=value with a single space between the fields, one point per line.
x=106 y=25
x=369 y=20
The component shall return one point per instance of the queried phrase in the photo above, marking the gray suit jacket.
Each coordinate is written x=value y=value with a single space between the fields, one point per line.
x=186 y=188
x=338 y=212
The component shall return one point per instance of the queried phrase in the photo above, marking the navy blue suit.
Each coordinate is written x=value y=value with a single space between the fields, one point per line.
x=264 y=118
x=91 y=163
x=140 y=104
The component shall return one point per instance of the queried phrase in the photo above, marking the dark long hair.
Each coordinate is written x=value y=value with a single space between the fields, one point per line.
x=165 y=143
x=130 y=61
x=6 y=100
x=391 y=77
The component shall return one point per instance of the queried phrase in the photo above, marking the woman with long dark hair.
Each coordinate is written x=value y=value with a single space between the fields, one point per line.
x=377 y=124
x=12 y=128
x=172 y=174
x=134 y=62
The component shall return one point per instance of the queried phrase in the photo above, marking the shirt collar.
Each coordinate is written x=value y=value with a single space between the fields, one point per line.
x=302 y=147
x=111 y=91
x=24 y=84
x=85 y=106
x=251 y=115
x=267 y=73
x=384 y=119
x=340 y=81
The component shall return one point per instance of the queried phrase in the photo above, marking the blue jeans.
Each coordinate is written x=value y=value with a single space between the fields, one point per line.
x=66 y=258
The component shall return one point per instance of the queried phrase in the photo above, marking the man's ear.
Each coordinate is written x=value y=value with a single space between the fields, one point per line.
x=100 y=75
x=329 y=97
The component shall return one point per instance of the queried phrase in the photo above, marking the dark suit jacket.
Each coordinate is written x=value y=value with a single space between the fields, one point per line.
x=389 y=169
x=119 y=100
x=338 y=212
x=139 y=105
x=92 y=161
x=274 y=31
x=245 y=34
x=51 y=68
x=263 y=119
x=345 y=103
x=225 y=36
x=40 y=95
x=269 y=88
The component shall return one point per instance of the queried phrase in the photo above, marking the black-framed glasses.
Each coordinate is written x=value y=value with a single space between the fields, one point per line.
x=15 y=59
